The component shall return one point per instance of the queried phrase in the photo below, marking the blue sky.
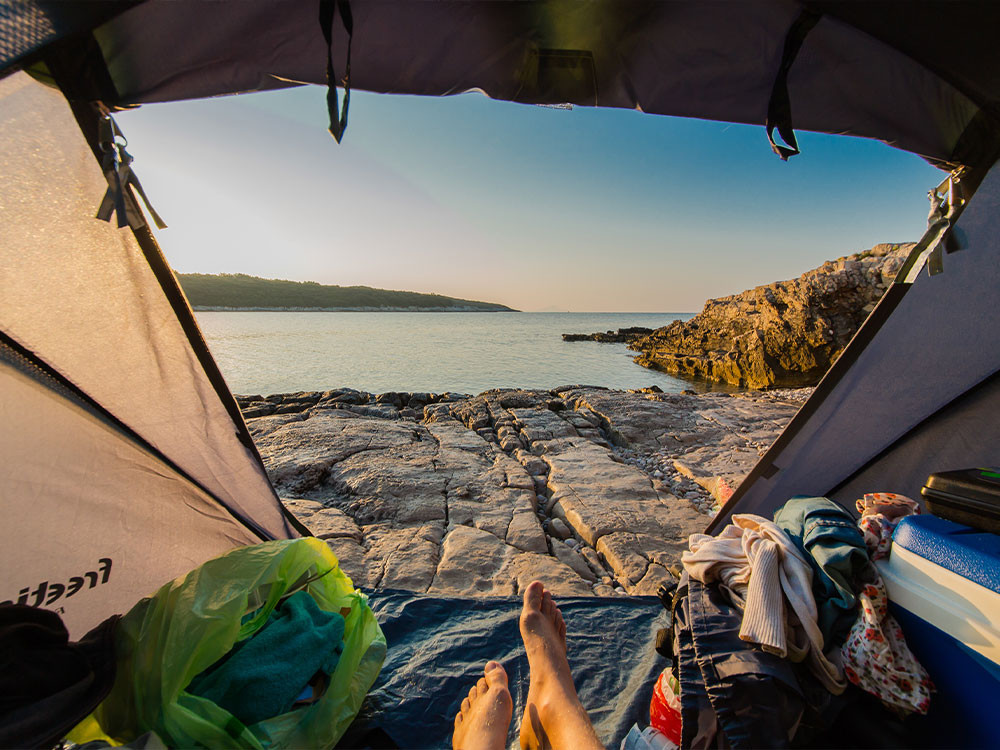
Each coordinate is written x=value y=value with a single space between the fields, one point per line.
x=537 y=208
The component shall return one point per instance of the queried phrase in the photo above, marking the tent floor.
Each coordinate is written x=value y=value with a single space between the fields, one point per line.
x=438 y=646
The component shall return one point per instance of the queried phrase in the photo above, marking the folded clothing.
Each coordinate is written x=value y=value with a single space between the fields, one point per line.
x=755 y=558
x=829 y=538
x=262 y=676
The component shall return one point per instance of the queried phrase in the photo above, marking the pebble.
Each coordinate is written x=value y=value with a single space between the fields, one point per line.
x=558 y=527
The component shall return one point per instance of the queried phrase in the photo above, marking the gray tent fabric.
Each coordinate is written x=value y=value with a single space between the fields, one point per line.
x=901 y=411
x=79 y=293
x=92 y=521
x=172 y=484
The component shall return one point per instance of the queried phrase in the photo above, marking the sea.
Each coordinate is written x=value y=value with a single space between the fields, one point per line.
x=280 y=352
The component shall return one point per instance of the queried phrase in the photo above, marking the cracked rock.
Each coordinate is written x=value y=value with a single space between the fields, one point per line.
x=437 y=505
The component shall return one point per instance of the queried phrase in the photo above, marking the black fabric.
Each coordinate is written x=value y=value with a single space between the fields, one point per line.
x=779 y=108
x=327 y=13
x=734 y=695
x=47 y=683
x=438 y=647
x=756 y=696
x=116 y=163
x=28 y=25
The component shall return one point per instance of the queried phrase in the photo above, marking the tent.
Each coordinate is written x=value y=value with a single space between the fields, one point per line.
x=127 y=461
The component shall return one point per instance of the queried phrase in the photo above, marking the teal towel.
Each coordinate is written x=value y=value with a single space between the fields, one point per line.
x=262 y=676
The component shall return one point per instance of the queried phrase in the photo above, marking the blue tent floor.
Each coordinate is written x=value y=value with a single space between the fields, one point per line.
x=438 y=646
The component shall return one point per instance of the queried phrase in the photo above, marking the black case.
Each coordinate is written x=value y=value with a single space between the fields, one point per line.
x=967 y=496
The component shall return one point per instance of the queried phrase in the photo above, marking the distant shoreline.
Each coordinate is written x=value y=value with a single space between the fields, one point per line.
x=455 y=308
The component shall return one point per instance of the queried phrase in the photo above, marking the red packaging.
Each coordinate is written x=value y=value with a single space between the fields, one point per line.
x=665 y=707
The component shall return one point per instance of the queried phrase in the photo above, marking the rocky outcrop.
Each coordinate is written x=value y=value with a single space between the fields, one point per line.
x=785 y=334
x=593 y=491
x=621 y=336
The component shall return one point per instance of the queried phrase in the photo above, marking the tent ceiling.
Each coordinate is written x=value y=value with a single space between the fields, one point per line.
x=922 y=76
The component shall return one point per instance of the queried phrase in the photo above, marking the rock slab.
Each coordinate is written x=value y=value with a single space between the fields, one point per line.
x=591 y=490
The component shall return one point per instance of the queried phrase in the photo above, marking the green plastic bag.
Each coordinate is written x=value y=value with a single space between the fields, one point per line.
x=169 y=638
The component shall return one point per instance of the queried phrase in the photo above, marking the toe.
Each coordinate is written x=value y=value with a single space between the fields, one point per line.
x=466 y=705
x=547 y=604
x=533 y=595
x=482 y=686
x=496 y=675
x=458 y=720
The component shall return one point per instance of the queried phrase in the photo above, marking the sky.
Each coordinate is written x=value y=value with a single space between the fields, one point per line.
x=541 y=209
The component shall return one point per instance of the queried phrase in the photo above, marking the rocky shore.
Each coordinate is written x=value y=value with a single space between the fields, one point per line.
x=621 y=336
x=785 y=334
x=592 y=490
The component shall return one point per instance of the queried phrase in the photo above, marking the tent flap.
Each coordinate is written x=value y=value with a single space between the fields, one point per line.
x=138 y=451
x=917 y=396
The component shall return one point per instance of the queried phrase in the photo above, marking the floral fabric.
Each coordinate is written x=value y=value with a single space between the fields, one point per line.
x=880 y=512
x=876 y=657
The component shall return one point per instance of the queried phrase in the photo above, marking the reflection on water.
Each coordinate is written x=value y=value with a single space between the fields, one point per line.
x=276 y=352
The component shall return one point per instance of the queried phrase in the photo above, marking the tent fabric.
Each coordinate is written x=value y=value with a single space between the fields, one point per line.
x=911 y=403
x=694 y=59
x=29 y=25
x=80 y=295
x=967 y=427
x=92 y=521
x=438 y=647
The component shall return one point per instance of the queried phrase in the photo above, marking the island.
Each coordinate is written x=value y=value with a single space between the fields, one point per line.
x=238 y=291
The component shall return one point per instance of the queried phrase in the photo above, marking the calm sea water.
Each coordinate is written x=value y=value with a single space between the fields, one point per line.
x=277 y=352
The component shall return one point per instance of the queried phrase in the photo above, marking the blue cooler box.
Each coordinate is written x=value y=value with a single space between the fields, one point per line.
x=943 y=581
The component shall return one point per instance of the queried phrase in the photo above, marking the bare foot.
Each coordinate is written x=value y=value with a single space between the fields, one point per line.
x=553 y=715
x=482 y=722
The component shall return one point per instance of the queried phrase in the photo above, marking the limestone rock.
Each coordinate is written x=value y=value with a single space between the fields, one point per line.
x=782 y=334
x=524 y=531
x=438 y=506
x=572 y=558
x=559 y=528
x=559 y=578
x=331 y=523
x=656 y=576
x=621 y=336
x=351 y=557
x=471 y=561
x=408 y=556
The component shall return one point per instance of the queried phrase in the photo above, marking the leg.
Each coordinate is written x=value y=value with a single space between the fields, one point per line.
x=482 y=722
x=553 y=716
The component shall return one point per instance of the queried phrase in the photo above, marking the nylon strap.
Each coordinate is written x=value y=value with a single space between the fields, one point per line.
x=327 y=14
x=116 y=163
x=779 y=107
x=930 y=249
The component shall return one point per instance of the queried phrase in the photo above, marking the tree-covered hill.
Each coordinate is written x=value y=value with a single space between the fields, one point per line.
x=237 y=290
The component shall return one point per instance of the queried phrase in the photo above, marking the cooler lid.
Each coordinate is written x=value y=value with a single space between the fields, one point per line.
x=970 y=553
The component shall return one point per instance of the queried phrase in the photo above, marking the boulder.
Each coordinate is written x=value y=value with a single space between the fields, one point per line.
x=783 y=334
